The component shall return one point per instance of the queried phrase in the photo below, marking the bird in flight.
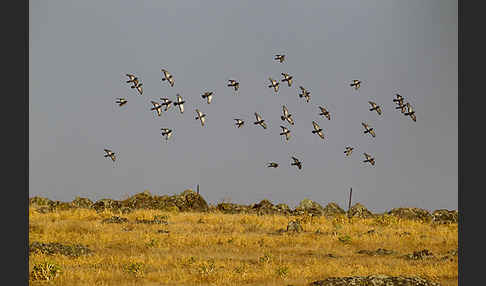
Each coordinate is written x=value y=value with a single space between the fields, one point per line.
x=325 y=112
x=208 y=96
x=166 y=132
x=168 y=77
x=410 y=112
x=110 y=154
x=356 y=84
x=375 y=106
x=138 y=86
x=180 y=103
x=121 y=101
x=402 y=106
x=317 y=130
x=167 y=102
x=348 y=150
x=273 y=84
x=296 y=163
x=280 y=58
x=157 y=107
x=234 y=84
x=399 y=99
x=369 y=159
x=239 y=122
x=131 y=78
x=305 y=93
x=368 y=129
x=287 y=116
x=285 y=132
x=288 y=78
x=260 y=121
x=272 y=165
x=201 y=117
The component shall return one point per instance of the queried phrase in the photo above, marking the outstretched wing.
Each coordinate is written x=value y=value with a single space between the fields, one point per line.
x=285 y=111
x=316 y=126
x=364 y=125
x=372 y=132
x=295 y=160
x=258 y=118
x=372 y=104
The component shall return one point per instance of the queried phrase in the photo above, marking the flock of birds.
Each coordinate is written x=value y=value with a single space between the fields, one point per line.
x=405 y=108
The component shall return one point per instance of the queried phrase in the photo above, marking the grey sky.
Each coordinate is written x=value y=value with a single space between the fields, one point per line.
x=80 y=52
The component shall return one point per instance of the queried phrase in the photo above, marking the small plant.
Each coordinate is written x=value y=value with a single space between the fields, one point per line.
x=346 y=239
x=207 y=268
x=135 y=268
x=153 y=243
x=282 y=271
x=265 y=258
x=45 y=271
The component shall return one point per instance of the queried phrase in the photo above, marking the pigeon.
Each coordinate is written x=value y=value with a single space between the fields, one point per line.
x=157 y=107
x=166 y=132
x=110 y=154
x=121 y=101
x=234 y=84
x=348 y=150
x=138 y=86
x=374 y=106
x=168 y=77
x=167 y=102
x=239 y=122
x=180 y=103
x=325 y=113
x=287 y=78
x=399 y=99
x=280 y=58
x=200 y=116
x=273 y=84
x=260 y=121
x=285 y=132
x=131 y=77
x=356 y=84
x=296 y=163
x=410 y=112
x=272 y=165
x=287 y=116
x=369 y=159
x=317 y=130
x=208 y=96
x=305 y=93
x=402 y=106
x=368 y=129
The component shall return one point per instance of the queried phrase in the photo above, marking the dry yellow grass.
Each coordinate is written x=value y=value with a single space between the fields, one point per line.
x=242 y=249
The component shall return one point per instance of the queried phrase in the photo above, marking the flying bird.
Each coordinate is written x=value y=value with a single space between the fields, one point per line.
x=168 y=77
x=288 y=78
x=399 y=99
x=374 y=106
x=180 y=103
x=296 y=163
x=402 y=106
x=166 y=132
x=260 y=121
x=286 y=115
x=317 y=130
x=348 y=150
x=131 y=78
x=208 y=96
x=368 y=129
x=138 y=86
x=110 y=154
x=239 y=122
x=325 y=112
x=273 y=84
x=369 y=159
x=157 y=107
x=305 y=93
x=285 y=132
x=234 y=84
x=280 y=58
x=167 y=102
x=410 y=112
x=201 y=117
x=356 y=84
x=272 y=165
x=121 y=101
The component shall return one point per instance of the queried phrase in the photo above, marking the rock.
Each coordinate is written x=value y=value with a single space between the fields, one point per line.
x=379 y=251
x=358 y=210
x=231 y=208
x=374 y=280
x=418 y=255
x=307 y=206
x=445 y=216
x=294 y=226
x=54 y=247
x=115 y=219
x=108 y=204
x=411 y=213
x=81 y=203
x=332 y=209
x=158 y=219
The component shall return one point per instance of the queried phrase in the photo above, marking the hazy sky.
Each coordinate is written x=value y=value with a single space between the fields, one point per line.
x=80 y=52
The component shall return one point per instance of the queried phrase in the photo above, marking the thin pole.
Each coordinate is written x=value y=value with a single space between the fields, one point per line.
x=198 y=189
x=349 y=206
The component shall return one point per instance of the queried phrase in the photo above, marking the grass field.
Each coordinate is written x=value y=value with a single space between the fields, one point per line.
x=234 y=249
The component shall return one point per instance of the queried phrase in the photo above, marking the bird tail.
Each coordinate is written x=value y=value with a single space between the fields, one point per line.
x=283 y=118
